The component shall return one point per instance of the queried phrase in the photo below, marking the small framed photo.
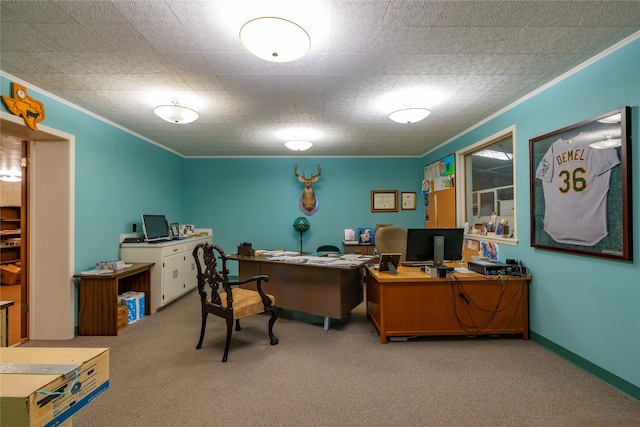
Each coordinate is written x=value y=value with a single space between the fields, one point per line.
x=186 y=230
x=408 y=200
x=366 y=235
x=385 y=259
x=384 y=201
x=175 y=229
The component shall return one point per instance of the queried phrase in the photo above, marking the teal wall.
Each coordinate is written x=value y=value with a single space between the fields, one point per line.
x=589 y=306
x=584 y=306
x=117 y=178
x=257 y=200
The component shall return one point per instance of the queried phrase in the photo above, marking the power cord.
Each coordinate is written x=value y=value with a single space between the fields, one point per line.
x=458 y=291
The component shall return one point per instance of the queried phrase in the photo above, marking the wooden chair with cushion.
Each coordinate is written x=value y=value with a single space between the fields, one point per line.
x=392 y=239
x=223 y=298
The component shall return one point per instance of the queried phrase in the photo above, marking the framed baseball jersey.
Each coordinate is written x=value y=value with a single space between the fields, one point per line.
x=579 y=180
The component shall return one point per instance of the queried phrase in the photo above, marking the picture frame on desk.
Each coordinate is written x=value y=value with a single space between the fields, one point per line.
x=175 y=229
x=366 y=235
x=386 y=258
x=384 y=200
x=186 y=230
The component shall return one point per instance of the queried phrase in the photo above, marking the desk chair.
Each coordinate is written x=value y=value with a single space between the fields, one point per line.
x=222 y=298
x=392 y=239
x=328 y=248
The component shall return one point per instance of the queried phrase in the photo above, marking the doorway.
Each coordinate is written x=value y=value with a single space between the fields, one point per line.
x=50 y=300
x=14 y=234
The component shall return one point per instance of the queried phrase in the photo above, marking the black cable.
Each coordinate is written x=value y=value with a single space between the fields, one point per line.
x=458 y=290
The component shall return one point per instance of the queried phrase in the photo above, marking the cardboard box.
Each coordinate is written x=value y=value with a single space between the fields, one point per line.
x=46 y=386
x=10 y=274
x=123 y=317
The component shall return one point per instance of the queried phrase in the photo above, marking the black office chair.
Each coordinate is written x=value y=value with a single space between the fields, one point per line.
x=328 y=248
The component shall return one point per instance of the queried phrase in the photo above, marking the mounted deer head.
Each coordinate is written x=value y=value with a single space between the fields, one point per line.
x=308 y=201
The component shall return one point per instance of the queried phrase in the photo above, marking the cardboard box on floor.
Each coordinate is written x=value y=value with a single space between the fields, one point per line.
x=46 y=386
x=10 y=274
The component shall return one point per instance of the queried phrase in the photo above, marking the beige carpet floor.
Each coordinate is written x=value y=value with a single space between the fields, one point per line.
x=340 y=377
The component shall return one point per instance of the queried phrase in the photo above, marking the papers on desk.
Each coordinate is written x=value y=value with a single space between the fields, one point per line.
x=97 y=271
x=296 y=258
x=276 y=253
x=290 y=259
x=462 y=270
x=319 y=260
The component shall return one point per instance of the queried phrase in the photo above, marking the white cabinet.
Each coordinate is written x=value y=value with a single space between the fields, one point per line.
x=173 y=276
x=174 y=272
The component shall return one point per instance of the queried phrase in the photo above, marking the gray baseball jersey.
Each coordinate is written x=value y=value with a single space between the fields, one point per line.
x=575 y=182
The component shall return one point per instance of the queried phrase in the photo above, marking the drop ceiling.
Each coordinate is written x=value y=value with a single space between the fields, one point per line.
x=463 y=60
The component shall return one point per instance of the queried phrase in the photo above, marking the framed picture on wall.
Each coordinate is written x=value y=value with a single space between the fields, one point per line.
x=408 y=200
x=580 y=177
x=384 y=200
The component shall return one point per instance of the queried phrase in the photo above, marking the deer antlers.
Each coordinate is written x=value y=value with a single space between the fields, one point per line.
x=302 y=178
x=308 y=200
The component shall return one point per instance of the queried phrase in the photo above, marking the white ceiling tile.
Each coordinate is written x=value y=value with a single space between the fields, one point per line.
x=158 y=12
x=464 y=60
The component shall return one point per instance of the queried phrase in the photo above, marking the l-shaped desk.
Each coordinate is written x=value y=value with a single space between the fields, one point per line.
x=414 y=304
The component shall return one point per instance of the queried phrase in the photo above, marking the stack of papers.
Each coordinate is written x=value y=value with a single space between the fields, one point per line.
x=97 y=271
x=288 y=258
x=317 y=260
x=276 y=253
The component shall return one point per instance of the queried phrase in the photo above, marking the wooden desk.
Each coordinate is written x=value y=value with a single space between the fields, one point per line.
x=359 y=248
x=98 y=311
x=412 y=303
x=323 y=290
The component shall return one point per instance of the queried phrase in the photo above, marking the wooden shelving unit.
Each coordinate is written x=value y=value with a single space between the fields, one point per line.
x=10 y=234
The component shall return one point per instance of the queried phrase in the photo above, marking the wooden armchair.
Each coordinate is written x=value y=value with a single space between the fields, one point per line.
x=222 y=298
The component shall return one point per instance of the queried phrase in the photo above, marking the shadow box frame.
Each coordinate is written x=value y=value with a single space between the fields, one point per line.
x=603 y=131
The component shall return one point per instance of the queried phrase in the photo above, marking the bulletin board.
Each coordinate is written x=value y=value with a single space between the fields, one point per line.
x=438 y=189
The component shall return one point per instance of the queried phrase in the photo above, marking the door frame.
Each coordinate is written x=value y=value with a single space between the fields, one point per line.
x=51 y=205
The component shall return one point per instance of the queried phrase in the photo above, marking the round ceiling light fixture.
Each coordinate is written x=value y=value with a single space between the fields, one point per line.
x=275 y=39
x=409 y=115
x=298 y=145
x=176 y=113
x=607 y=142
x=10 y=178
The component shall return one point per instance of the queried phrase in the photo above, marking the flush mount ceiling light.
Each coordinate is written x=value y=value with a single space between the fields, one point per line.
x=492 y=154
x=298 y=145
x=409 y=115
x=176 y=113
x=275 y=39
x=607 y=142
x=10 y=178
x=616 y=118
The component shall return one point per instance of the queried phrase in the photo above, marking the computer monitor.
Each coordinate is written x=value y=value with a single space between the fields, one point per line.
x=421 y=247
x=155 y=228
